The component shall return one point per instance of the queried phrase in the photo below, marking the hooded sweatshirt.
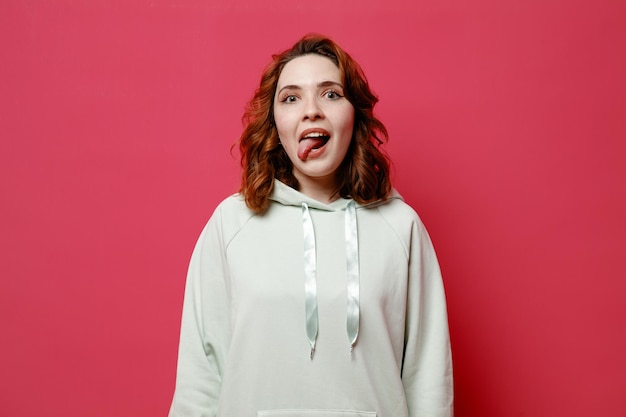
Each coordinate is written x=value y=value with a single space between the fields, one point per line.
x=314 y=310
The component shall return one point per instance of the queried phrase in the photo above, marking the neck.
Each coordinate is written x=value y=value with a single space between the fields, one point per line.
x=321 y=189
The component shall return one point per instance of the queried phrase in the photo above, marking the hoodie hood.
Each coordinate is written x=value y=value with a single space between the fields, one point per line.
x=285 y=195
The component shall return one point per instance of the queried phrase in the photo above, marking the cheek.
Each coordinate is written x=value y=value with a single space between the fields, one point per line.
x=347 y=122
x=283 y=121
x=283 y=133
x=278 y=119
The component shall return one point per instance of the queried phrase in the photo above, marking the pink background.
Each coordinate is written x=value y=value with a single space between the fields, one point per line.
x=508 y=133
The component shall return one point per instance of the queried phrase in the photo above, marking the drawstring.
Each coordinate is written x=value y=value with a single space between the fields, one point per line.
x=310 y=276
x=352 y=263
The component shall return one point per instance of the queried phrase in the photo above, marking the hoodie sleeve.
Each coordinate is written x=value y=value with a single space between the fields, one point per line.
x=427 y=364
x=205 y=327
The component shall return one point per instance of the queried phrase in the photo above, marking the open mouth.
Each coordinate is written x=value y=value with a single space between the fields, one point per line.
x=310 y=141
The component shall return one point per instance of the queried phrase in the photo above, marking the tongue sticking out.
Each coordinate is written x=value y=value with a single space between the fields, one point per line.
x=306 y=145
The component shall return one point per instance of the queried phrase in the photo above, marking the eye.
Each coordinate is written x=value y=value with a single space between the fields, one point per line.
x=289 y=98
x=332 y=95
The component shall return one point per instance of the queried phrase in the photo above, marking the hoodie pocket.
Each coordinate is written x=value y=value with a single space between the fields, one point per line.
x=315 y=413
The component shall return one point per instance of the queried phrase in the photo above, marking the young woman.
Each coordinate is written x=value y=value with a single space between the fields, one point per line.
x=315 y=291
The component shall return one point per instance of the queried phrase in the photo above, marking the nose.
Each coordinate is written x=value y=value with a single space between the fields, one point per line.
x=312 y=109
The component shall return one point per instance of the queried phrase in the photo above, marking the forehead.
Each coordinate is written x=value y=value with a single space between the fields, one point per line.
x=309 y=69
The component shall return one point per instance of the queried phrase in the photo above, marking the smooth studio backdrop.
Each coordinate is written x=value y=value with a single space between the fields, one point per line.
x=508 y=133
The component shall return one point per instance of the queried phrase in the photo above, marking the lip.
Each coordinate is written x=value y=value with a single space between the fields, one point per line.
x=313 y=130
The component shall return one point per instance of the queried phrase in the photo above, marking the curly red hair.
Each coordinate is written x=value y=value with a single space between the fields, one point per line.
x=363 y=174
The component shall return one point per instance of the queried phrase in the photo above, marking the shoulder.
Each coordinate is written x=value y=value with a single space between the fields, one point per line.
x=398 y=212
x=233 y=203
x=403 y=220
x=229 y=217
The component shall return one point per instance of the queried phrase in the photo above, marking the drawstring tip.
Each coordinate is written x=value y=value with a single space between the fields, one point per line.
x=312 y=352
x=351 y=348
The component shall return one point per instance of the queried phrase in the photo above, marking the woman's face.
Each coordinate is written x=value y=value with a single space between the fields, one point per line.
x=313 y=118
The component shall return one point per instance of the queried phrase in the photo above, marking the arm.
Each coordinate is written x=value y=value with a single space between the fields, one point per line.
x=204 y=335
x=427 y=364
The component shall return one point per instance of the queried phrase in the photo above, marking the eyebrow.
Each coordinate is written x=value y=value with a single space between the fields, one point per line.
x=322 y=84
